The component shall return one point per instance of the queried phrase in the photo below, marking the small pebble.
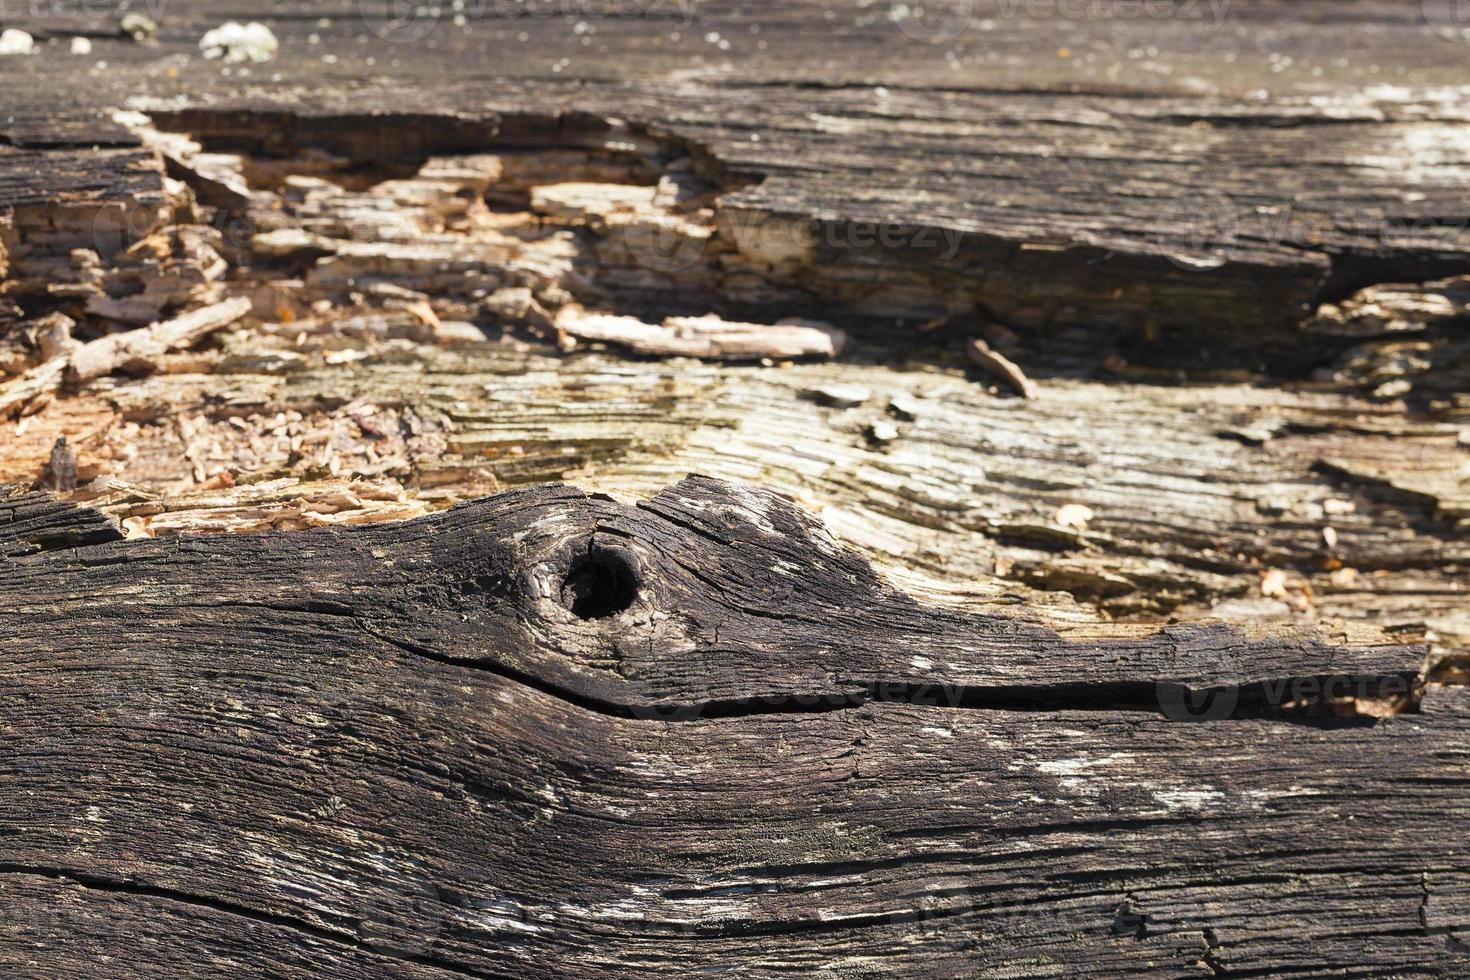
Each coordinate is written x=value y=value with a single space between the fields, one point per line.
x=882 y=430
x=234 y=42
x=140 y=27
x=15 y=41
x=904 y=407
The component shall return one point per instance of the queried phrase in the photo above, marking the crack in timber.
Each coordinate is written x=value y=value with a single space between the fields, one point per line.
x=1251 y=701
x=101 y=883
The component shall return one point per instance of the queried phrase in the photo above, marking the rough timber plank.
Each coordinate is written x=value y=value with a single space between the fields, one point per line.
x=1215 y=173
x=278 y=782
x=198 y=783
x=740 y=598
x=32 y=521
x=1332 y=132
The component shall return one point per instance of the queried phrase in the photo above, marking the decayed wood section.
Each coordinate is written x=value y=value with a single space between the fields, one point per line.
x=546 y=733
x=1234 y=274
x=1106 y=201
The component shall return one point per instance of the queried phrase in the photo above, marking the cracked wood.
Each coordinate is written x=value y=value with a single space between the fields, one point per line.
x=400 y=749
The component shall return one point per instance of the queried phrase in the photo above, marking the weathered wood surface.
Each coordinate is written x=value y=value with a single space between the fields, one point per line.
x=370 y=384
x=1137 y=191
x=1295 y=149
x=403 y=749
x=400 y=749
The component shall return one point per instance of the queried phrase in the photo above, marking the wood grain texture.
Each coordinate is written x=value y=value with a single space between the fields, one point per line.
x=735 y=598
x=32 y=521
x=548 y=733
x=390 y=749
x=1215 y=174
x=1083 y=195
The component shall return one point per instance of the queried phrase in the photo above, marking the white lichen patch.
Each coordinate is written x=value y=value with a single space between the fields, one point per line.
x=15 y=41
x=1189 y=799
x=233 y=42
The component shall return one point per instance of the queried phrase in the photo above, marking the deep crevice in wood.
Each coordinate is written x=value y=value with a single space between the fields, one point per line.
x=597 y=581
x=117 y=886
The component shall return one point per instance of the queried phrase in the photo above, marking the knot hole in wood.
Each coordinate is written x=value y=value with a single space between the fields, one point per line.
x=599 y=583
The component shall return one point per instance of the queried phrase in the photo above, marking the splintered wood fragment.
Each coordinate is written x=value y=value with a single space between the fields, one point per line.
x=1393 y=308
x=86 y=362
x=1001 y=367
x=19 y=394
x=108 y=354
x=61 y=469
x=708 y=336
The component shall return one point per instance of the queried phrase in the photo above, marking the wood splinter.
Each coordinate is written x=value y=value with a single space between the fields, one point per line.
x=1001 y=367
x=708 y=336
x=102 y=356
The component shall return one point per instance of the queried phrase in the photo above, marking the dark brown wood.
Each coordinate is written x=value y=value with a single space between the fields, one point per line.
x=548 y=733
x=1156 y=198
x=403 y=749
x=32 y=521
x=736 y=602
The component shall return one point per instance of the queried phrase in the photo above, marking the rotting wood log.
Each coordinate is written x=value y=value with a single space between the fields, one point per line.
x=1206 y=188
x=1219 y=248
x=546 y=733
x=1143 y=209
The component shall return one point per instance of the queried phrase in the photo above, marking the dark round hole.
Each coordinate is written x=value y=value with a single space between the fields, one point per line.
x=600 y=584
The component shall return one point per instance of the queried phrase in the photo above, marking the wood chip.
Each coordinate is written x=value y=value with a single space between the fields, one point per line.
x=107 y=354
x=1001 y=367
x=61 y=470
x=707 y=336
x=19 y=394
x=1273 y=583
x=840 y=396
x=1074 y=516
x=882 y=430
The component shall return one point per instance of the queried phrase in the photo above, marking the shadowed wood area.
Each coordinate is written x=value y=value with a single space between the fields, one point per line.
x=546 y=732
x=858 y=487
x=1225 y=243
